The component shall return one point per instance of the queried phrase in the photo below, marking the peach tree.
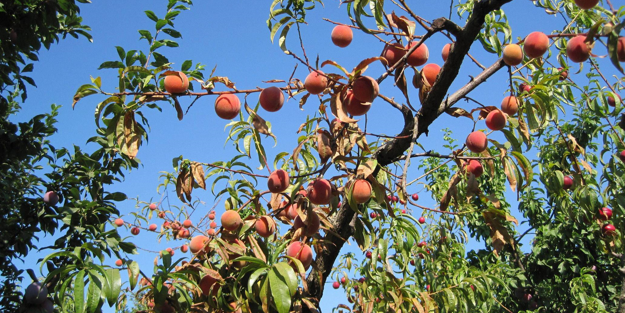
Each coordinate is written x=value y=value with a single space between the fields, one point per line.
x=280 y=241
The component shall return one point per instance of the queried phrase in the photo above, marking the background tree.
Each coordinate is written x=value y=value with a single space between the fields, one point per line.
x=356 y=180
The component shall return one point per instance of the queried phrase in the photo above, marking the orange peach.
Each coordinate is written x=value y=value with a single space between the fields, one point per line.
x=187 y=223
x=577 y=50
x=430 y=72
x=354 y=106
x=586 y=4
x=496 y=120
x=320 y=192
x=362 y=191
x=476 y=141
x=365 y=88
x=536 y=44
x=184 y=248
x=313 y=224
x=153 y=227
x=620 y=49
x=227 y=106
x=176 y=83
x=198 y=243
x=342 y=35
x=271 y=99
x=316 y=82
x=475 y=167
x=231 y=220
x=119 y=222
x=119 y=262
x=512 y=55
x=393 y=53
x=301 y=251
x=419 y=56
x=265 y=226
x=510 y=105
x=445 y=53
x=211 y=232
x=278 y=181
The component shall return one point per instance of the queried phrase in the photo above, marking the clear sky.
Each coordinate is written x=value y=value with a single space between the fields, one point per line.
x=233 y=36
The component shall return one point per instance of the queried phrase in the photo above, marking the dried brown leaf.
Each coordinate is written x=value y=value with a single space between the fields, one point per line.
x=451 y=192
x=366 y=169
x=179 y=111
x=259 y=123
x=457 y=112
x=364 y=64
x=405 y=24
x=223 y=80
x=510 y=174
x=338 y=108
x=198 y=174
x=324 y=145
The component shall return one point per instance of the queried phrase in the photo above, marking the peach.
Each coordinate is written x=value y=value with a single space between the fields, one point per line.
x=612 y=101
x=523 y=87
x=496 y=120
x=622 y=156
x=620 y=49
x=393 y=53
x=265 y=226
x=231 y=220
x=320 y=192
x=278 y=181
x=187 y=223
x=342 y=35
x=536 y=44
x=577 y=50
x=153 y=206
x=362 y=191
x=568 y=183
x=119 y=222
x=213 y=225
x=36 y=294
x=430 y=72
x=152 y=227
x=119 y=263
x=476 y=141
x=227 y=106
x=291 y=211
x=135 y=230
x=445 y=53
x=198 y=243
x=365 y=88
x=51 y=198
x=176 y=83
x=564 y=74
x=184 y=233
x=510 y=105
x=354 y=106
x=419 y=56
x=609 y=229
x=313 y=224
x=475 y=168
x=209 y=285
x=211 y=216
x=605 y=214
x=184 y=248
x=512 y=55
x=586 y=4
x=301 y=251
x=316 y=82
x=47 y=306
x=271 y=99
x=210 y=232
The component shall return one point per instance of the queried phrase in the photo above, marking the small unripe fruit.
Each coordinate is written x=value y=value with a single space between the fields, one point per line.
x=336 y=285
x=475 y=168
x=523 y=87
x=445 y=53
x=313 y=224
x=415 y=197
x=213 y=225
x=362 y=191
x=227 y=106
x=320 y=192
x=510 y=105
x=419 y=56
x=622 y=156
x=187 y=223
x=564 y=74
x=476 y=141
x=170 y=250
x=496 y=120
x=403 y=211
x=119 y=222
x=152 y=227
x=342 y=35
x=184 y=248
x=421 y=244
x=198 y=243
x=161 y=214
x=568 y=182
x=211 y=216
x=354 y=106
x=135 y=230
x=271 y=99
x=395 y=199
x=301 y=251
x=609 y=229
x=210 y=232
x=605 y=214
x=373 y=215
x=430 y=72
x=577 y=50
x=421 y=220
x=393 y=53
x=512 y=55
x=278 y=181
x=265 y=226
x=343 y=280
x=119 y=263
x=365 y=88
x=231 y=220
x=368 y=254
x=586 y=4
x=536 y=44
x=51 y=198
x=316 y=82
x=176 y=83
x=153 y=206
x=412 y=262
x=35 y=294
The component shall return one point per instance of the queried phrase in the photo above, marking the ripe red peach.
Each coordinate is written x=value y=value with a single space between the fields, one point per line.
x=313 y=224
x=354 y=106
x=119 y=222
x=227 y=106
x=231 y=220
x=365 y=88
x=184 y=248
x=536 y=44
x=342 y=35
x=577 y=50
x=209 y=285
x=445 y=53
x=291 y=211
x=612 y=101
x=152 y=227
x=316 y=82
x=336 y=285
x=265 y=226
x=278 y=181
x=475 y=167
x=135 y=230
x=564 y=74
x=496 y=120
x=153 y=206
x=119 y=263
x=198 y=243
x=301 y=251
x=211 y=216
x=393 y=53
x=430 y=72
x=586 y=4
x=176 y=83
x=419 y=56
x=620 y=49
x=51 y=198
x=568 y=183
x=213 y=225
x=512 y=55
x=605 y=214
x=271 y=99
x=210 y=232
x=523 y=87
x=609 y=229
x=187 y=223
x=361 y=191
x=622 y=156
x=510 y=105
x=476 y=141
x=183 y=233
x=320 y=192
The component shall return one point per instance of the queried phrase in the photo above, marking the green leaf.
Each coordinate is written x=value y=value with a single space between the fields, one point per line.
x=151 y=15
x=79 y=292
x=133 y=273
x=111 y=64
x=288 y=273
x=94 y=292
x=114 y=283
x=160 y=24
x=279 y=291
x=277 y=26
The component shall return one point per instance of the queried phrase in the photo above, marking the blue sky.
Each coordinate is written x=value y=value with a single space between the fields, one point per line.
x=233 y=36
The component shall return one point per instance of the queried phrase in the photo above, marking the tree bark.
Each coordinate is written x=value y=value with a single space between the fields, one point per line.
x=392 y=150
